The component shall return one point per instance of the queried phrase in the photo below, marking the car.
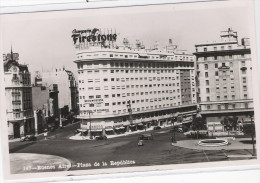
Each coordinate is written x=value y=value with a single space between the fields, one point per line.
x=101 y=137
x=146 y=136
x=140 y=143
x=157 y=128
x=51 y=128
x=28 y=138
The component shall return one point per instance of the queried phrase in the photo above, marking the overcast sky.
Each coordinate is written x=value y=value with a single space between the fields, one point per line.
x=43 y=40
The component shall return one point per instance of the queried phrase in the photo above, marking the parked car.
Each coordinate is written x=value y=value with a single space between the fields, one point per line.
x=157 y=128
x=101 y=137
x=51 y=128
x=146 y=136
x=177 y=129
x=28 y=138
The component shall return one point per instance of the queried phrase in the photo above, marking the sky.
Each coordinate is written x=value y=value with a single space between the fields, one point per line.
x=44 y=41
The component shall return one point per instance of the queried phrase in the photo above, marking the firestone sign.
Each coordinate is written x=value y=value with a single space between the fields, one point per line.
x=92 y=35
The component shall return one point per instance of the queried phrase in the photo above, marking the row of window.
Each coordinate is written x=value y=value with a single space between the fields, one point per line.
x=227 y=106
x=226 y=97
x=227 y=57
x=166 y=57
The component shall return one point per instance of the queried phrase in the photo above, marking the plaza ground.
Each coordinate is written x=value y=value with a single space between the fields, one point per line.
x=85 y=154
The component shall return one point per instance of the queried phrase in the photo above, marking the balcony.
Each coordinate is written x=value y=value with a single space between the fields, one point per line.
x=16 y=93
x=16 y=102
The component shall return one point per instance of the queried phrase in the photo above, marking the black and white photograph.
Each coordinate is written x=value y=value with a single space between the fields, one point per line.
x=126 y=89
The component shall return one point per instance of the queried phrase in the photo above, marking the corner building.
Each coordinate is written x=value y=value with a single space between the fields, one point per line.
x=122 y=87
x=224 y=71
x=18 y=93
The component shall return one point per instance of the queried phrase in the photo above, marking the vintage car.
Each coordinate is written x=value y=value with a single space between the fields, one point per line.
x=157 y=128
x=140 y=143
x=101 y=137
x=146 y=136
x=28 y=138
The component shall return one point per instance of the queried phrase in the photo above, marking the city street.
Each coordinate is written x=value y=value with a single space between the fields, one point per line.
x=89 y=154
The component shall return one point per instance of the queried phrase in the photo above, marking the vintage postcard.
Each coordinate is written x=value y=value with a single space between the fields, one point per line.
x=127 y=89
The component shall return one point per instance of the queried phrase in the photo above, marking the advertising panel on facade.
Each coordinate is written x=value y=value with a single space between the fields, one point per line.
x=96 y=92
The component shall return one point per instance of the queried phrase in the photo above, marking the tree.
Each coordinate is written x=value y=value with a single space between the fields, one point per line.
x=198 y=123
x=249 y=129
x=234 y=123
x=229 y=123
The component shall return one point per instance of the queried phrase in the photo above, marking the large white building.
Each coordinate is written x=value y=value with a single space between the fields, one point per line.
x=126 y=86
x=18 y=94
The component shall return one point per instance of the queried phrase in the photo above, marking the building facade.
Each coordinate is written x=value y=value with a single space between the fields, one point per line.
x=67 y=85
x=18 y=92
x=122 y=87
x=224 y=73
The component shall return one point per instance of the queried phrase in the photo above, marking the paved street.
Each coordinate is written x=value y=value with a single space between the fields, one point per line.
x=86 y=154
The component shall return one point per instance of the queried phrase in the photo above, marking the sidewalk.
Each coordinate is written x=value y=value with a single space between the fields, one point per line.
x=79 y=137
x=33 y=163
x=41 y=134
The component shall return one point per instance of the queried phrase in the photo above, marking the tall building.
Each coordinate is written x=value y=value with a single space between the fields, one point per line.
x=67 y=85
x=18 y=92
x=224 y=71
x=128 y=86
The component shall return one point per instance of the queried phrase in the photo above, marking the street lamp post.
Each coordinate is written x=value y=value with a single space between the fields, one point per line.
x=252 y=135
x=90 y=134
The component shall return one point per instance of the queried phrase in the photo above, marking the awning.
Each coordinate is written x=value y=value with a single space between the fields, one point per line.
x=132 y=125
x=122 y=127
x=117 y=128
x=188 y=121
x=82 y=130
x=96 y=130
x=143 y=55
x=140 y=124
x=109 y=129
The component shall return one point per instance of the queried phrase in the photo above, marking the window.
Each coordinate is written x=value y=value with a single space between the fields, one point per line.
x=208 y=99
x=216 y=73
x=207 y=82
x=216 y=65
x=218 y=97
x=207 y=90
x=206 y=66
x=205 y=49
x=215 y=57
x=219 y=107
x=226 y=106
x=206 y=74
x=244 y=80
x=243 y=63
x=215 y=48
x=106 y=104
